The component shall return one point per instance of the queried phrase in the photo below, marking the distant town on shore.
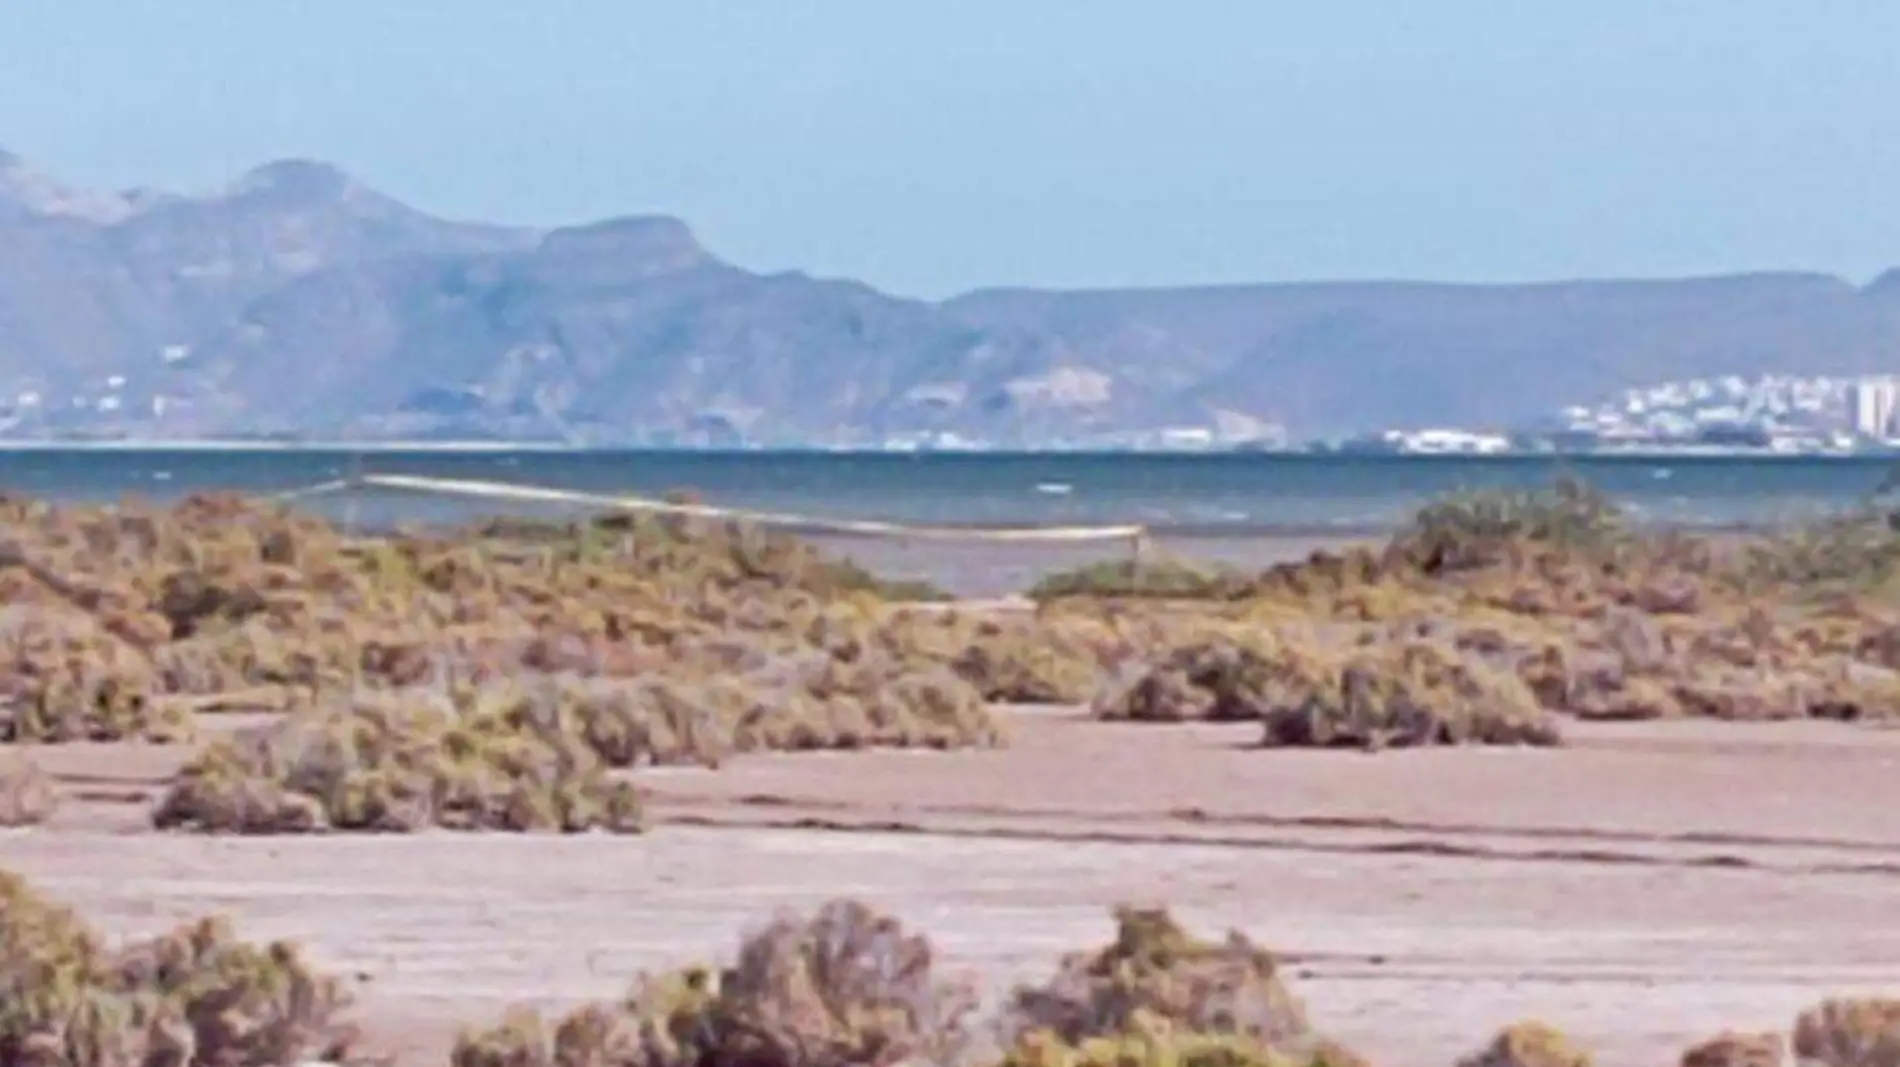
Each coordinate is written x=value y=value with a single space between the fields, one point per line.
x=1770 y=414
x=1773 y=413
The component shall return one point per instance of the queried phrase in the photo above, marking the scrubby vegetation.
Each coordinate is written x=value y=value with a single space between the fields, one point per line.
x=849 y=985
x=392 y=765
x=1479 y=529
x=1389 y=692
x=519 y=676
x=195 y=997
x=1155 y=981
x=1732 y=1049
x=1862 y=1031
x=1165 y=578
x=489 y=677
x=511 y=674
x=1490 y=613
x=841 y=986
x=539 y=755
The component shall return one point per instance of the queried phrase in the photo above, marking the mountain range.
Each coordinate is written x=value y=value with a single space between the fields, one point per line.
x=298 y=302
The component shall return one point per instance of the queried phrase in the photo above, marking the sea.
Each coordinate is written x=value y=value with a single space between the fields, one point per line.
x=1245 y=508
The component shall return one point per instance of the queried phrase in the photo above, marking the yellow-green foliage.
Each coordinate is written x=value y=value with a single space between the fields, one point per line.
x=69 y=680
x=1050 y=657
x=396 y=764
x=781 y=704
x=844 y=985
x=197 y=996
x=1160 y=579
x=1856 y=551
x=95 y=712
x=118 y=606
x=1221 y=680
x=848 y=986
x=1156 y=974
x=1528 y=1044
x=1384 y=688
x=1863 y=1032
x=1480 y=528
x=1409 y=693
x=1734 y=1049
x=1152 y=1045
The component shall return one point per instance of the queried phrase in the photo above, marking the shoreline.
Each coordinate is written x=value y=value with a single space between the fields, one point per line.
x=477 y=446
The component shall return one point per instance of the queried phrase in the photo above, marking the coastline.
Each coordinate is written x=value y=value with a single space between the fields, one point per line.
x=1608 y=456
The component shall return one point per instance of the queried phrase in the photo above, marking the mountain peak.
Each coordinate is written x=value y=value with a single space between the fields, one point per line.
x=294 y=179
x=643 y=244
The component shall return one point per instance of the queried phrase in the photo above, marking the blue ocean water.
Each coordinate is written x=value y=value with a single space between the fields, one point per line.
x=1179 y=496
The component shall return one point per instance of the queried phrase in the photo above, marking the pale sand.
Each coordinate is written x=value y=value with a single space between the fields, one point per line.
x=1649 y=886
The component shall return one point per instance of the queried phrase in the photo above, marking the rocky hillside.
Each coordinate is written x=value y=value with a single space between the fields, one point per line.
x=299 y=302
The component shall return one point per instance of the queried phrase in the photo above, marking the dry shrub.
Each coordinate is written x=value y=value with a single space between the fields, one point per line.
x=1398 y=687
x=27 y=795
x=653 y=721
x=64 y=678
x=197 y=997
x=220 y=595
x=1046 y=658
x=816 y=704
x=1156 y=979
x=1733 y=1049
x=399 y=763
x=1218 y=681
x=1849 y=1033
x=1856 y=551
x=1407 y=694
x=1851 y=691
x=843 y=987
x=1034 y=661
x=1528 y=1044
x=1157 y=579
x=821 y=702
x=733 y=554
x=95 y=712
x=1152 y=1045
x=1324 y=579
x=535 y=753
x=848 y=986
x=1480 y=529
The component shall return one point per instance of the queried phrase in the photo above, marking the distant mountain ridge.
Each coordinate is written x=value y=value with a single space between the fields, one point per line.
x=298 y=301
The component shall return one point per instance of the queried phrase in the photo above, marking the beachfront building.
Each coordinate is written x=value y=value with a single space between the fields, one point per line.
x=1872 y=405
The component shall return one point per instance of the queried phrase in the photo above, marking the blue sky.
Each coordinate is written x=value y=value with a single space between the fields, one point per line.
x=929 y=148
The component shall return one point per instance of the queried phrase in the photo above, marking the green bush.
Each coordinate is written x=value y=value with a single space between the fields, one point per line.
x=1155 y=579
x=1475 y=529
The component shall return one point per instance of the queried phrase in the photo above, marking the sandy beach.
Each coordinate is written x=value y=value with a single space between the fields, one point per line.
x=1644 y=887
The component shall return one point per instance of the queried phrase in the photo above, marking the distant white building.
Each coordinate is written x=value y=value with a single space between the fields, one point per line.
x=1872 y=403
x=1447 y=441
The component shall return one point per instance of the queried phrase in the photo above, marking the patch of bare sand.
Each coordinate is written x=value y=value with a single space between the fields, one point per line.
x=1653 y=884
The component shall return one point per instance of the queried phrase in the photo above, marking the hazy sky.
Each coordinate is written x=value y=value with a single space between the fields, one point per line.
x=930 y=147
